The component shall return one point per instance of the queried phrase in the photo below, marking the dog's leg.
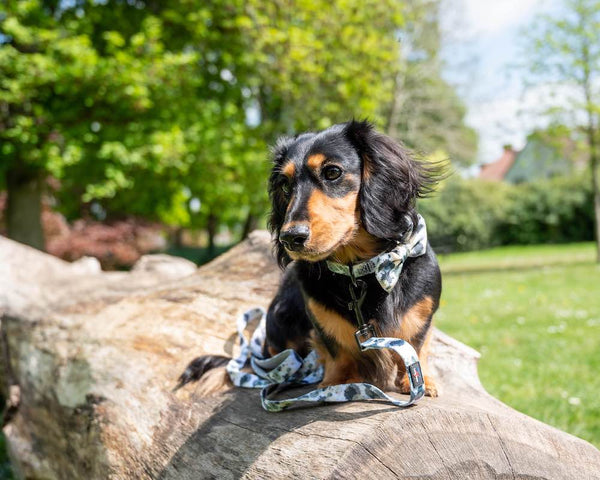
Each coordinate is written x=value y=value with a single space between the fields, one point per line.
x=402 y=380
x=338 y=369
x=430 y=387
x=341 y=369
x=415 y=328
x=214 y=381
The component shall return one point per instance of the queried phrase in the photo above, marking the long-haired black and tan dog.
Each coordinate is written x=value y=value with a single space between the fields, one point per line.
x=346 y=194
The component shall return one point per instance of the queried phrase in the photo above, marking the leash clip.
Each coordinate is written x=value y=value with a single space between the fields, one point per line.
x=365 y=330
x=357 y=302
x=363 y=334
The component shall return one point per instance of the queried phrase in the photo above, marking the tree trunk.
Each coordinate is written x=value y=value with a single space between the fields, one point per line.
x=96 y=356
x=398 y=99
x=592 y=131
x=249 y=225
x=24 y=207
x=177 y=237
x=211 y=229
x=595 y=171
x=596 y=192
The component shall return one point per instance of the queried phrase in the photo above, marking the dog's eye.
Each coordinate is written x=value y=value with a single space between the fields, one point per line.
x=332 y=172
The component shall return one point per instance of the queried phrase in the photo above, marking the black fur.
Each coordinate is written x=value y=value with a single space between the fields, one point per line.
x=391 y=183
x=198 y=367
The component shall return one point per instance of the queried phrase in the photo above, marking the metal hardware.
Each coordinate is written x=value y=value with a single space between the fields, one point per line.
x=357 y=302
x=365 y=330
x=363 y=334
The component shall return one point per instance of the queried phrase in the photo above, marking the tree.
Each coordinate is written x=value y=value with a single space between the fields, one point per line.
x=426 y=113
x=563 y=49
x=96 y=108
x=141 y=107
x=313 y=64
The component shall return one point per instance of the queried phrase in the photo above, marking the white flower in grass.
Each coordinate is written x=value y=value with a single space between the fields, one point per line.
x=574 y=400
x=557 y=328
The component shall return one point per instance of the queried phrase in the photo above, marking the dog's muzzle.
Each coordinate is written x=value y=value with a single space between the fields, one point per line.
x=295 y=237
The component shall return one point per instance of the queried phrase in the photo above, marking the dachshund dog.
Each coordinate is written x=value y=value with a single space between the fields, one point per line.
x=347 y=194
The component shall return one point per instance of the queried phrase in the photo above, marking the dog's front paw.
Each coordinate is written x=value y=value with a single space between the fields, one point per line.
x=339 y=381
x=430 y=387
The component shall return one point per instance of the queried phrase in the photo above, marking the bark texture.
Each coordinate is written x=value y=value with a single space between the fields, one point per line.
x=91 y=359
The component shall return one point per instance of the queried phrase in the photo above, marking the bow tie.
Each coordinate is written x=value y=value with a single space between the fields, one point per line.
x=387 y=266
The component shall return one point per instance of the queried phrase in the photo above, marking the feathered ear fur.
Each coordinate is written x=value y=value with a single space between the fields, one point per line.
x=278 y=202
x=391 y=181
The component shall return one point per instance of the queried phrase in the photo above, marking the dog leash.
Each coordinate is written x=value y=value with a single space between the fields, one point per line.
x=287 y=369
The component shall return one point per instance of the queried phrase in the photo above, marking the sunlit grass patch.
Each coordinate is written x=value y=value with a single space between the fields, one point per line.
x=518 y=256
x=534 y=314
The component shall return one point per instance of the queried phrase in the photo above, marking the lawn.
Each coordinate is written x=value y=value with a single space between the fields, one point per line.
x=534 y=314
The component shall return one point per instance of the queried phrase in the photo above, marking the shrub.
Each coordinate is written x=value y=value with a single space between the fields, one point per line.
x=474 y=214
x=465 y=214
x=556 y=210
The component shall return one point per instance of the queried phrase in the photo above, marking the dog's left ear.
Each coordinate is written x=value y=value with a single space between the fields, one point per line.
x=391 y=181
x=278 y=203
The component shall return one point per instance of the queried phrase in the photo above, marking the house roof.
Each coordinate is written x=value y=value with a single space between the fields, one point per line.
x=497 y=170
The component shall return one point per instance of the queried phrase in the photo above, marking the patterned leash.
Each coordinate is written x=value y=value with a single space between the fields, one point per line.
x=288 y=369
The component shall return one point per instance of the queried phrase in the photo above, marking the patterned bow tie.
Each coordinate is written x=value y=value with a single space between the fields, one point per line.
x=387 y=266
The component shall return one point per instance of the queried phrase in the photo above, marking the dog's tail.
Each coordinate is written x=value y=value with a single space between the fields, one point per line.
x=203 y=366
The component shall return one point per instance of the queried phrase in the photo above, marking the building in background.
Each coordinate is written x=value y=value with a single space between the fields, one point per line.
x=538 y=159
x=498 y=169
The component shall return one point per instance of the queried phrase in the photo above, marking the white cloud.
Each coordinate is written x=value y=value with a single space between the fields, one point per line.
x=489 y=17
x=479 y=58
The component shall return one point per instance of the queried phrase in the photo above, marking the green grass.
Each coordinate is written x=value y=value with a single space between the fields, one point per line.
x=517 y=257
x=534 y=314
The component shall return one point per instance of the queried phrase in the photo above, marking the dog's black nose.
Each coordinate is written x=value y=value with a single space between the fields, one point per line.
x=294 y=237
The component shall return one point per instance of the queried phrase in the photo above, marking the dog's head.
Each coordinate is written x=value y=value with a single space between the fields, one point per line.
x=348 y=182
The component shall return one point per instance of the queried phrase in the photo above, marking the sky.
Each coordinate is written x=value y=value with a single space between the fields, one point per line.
x=481 y=48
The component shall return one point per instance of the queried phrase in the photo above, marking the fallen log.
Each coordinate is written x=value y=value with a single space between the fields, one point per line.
x=91 y=359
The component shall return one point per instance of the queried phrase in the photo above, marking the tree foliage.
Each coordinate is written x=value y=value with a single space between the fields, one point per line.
x=427 y=114
x=563 y=49
x=100 y=112
x=165 y=109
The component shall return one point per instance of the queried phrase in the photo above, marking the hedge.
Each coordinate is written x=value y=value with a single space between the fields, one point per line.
x=474 y=214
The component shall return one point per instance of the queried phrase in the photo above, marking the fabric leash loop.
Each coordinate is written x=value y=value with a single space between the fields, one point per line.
x=287 y=369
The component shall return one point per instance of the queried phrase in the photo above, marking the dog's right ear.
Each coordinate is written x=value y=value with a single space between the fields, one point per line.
x=278 y=201
x=391 y=181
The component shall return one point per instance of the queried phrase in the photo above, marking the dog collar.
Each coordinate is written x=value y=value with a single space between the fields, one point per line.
x=387 y=266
